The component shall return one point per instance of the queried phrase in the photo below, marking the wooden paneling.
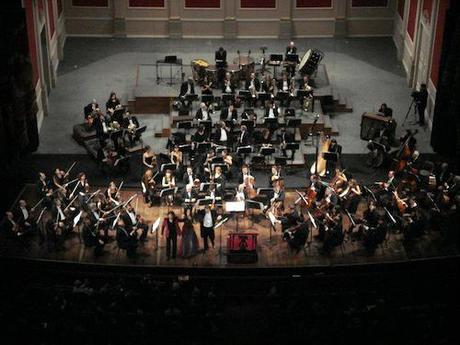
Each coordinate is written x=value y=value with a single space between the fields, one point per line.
x=91 y=3
x=202 y=3
x=313 y=3
x=258 y=3
x=146 y=3
x=369 y=3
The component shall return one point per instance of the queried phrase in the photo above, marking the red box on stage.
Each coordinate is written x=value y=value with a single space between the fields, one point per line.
x=242 y=247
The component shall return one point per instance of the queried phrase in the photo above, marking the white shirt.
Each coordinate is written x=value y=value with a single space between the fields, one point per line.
x=207 y=220
x=205 y=115
x=96 y=215
x=25 y=213
x=228 y=89
x=190 y=179
x=223 y=135
x=132 y=216
x=271 y=113
x=285 y=85
x=241 y=137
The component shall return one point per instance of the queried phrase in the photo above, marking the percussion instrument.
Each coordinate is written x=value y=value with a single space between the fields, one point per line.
x=198 y=69
x=372 y=124
x=310 y=61
x=246 y=65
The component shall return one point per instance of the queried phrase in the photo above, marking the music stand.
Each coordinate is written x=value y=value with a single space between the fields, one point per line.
x=168 y=166
x=235 y=207
x=217 y=160
x=155 y=227
x=186 y=125
x=248 y=123
x=270 y=121
x=254 y=205
x=206 y=124
x=282 y=95
x=228 y=97
x=217 y=226
x=280 y=161
x=167 y=192
x=264 y=96
x=267 y=151
x=244 y=150
x=292 y=146
x=204 y=187
x=264 y=191
x=292 y=57
x=302 y=93
x=207 y=99
x=191 y=97
x=204 y=147
x=204 y=201
x=258 y=159
x=294 y=123
x=289 y=112
x=245 y=94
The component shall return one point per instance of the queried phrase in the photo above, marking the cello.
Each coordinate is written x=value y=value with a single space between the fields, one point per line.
x=405 y=152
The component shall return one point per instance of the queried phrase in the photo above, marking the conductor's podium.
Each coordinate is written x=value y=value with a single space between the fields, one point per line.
x=242 y=247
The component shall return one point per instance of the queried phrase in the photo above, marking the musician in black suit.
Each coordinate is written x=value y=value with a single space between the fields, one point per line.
x=208 y=219
x=203 y=114
x=291 y=49
x=252 y=84
x=200 y=135
x=271 y=110
x=244 y=137
x=100 y=124
x=8 y=227
x=222 y=134
x=285 y=138
x=22 y=217
x=229 y=113
x=91 y=237
x=421 y=99
x=189 y=196
x=126 y=239
x=189 y=176
x=221 y=62
x=186 y=88
x=131 y=124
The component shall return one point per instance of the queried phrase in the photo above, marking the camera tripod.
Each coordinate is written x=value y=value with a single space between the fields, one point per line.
x=414 y=105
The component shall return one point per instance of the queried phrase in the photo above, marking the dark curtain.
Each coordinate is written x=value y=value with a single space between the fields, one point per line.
x=18 y=107
x=445 y=136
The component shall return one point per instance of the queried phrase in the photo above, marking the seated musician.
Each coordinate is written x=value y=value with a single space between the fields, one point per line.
x=148 y=158
x=189 y=176
x=203 y=114
x=285 y=86
x=263 y=138
x=22 y=217
x=268 y=85
x=112 y=194
x=169 y=181
x=189 y=196
x=81 y=187
x=219 y=179
x=8 y=227
x=131 y=124
x=229 y=113
x=200 y=135
x=206 y=86
x=248 y=115
x=253 y=85
x=112 y=103
x=244 y=174
x=275 y=174
x=228 y=85
x=271 y=110
x=186 y=88
x=353 y=196
x=44 y=189
x=228 y=160
x=126 y=238
x=148 y=187
x=222 y=134
x=291 y=49
x=59 y=177
x=92 y=237
x=385 y=110
x=101 y=126
x=244 y=137
x=285 y=138
x=278 y=191
x=89 y=109
x=305 y=84
x=176 y=157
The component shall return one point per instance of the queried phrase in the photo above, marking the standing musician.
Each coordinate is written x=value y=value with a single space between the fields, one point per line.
x=208 y=219
x=203 y=114
x=421 y=99
x=220 y=58
x=170 y=230
x=290 y=50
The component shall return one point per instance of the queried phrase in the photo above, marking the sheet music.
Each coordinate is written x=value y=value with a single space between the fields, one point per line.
x=235 y=206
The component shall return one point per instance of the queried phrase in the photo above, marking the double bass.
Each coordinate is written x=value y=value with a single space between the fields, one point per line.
x=405 y=152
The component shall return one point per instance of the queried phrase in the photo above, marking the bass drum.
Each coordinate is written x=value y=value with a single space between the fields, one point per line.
x=310 y=61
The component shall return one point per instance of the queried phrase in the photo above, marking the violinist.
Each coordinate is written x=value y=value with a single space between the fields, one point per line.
x=176 y=157
x=354 y=196
x=278 y=192
x=229 y=113
x=131 y=124
x=339 y=183
x=206 y=87
x=81 y=186
x=148 y=187
x=112 y=103
x=275 y=174
x=126 y=239
x=219 y=179
x=203 y=113
x=332 y=230
x=59 y=178
x=244 y=173
x=228 y=161
x=148 y=158
x=112 y=194
x=169 y=181
x=92 y=237
x=43 y=186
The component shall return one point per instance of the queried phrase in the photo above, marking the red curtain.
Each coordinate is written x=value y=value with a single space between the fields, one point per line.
x=314 y=3
x=258 y=4
x=401 y=4
x=59 y=6
x=91 y=3
x=427 y=8
x=146 y=3
x=202 y=3
x=369 y=3
x=51 y=17
x=411 y=19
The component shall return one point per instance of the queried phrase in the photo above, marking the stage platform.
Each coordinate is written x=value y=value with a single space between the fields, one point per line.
x=272 y=251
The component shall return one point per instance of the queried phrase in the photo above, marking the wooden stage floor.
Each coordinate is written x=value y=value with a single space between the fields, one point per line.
x=272 y=252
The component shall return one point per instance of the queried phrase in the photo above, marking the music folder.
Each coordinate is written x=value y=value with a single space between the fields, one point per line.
x=280 y=161
x=247 y=123
x=282 y=95
x=267 y=151
x=185 y=148
x=228 y=97
x=270 y=120
x=276 y=58
x=254 y=205
x=245 y=94
x=258 y=159
x=204 y=147
x=292 y=57
x=330 y=156
x=207 y=98
x=217 y=160
x=191 y=97
x=303 y=93
x=235 y=206
x=264 y=96
x=264 y=191
x=204 y=202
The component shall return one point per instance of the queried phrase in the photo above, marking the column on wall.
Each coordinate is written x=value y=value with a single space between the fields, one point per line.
x=119 y=22
x=175 y=25
x=230 y=25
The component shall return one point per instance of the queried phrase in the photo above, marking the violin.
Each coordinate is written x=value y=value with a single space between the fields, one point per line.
x=400 y=203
